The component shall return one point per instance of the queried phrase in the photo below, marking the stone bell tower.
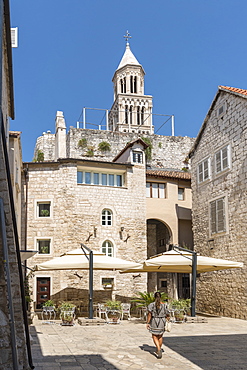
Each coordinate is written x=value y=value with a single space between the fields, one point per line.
x=132 y=109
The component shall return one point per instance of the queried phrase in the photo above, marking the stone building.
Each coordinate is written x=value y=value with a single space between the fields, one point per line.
x=14 y=339
x=219 y=173
x=123 y=191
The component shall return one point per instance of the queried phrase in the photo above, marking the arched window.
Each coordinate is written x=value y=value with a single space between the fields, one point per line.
x=124 y=85
x=106 y=217
x=138 y=115
x=131 y=84
x=126 y=114
x=142 y=115
x=107 y=248
x=131 y=110
x=135 y=84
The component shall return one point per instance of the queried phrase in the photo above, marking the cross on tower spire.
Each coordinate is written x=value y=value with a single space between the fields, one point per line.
x=127 y=37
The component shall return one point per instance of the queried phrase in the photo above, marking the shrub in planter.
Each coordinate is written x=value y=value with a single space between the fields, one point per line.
x=67 y=313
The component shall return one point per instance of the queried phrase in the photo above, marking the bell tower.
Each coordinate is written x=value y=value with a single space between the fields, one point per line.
x=132 y=109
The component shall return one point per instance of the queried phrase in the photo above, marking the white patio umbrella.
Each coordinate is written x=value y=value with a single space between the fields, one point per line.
x=77 y=260
x=85 y=259
x=176 y=261
x=185 y=261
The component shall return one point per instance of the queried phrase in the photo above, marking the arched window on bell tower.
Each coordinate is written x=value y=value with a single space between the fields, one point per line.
x=135 y=84
x=126 y=114
x=131 y=111
x=123 y=85
x=138 y=115
x=142 y=115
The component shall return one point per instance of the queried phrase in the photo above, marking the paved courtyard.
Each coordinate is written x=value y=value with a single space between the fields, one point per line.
x=219 y=344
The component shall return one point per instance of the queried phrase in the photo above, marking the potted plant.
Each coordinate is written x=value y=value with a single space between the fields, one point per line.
x=67 y=313
x=146 y=298
x=113 y=311
x=181 y=308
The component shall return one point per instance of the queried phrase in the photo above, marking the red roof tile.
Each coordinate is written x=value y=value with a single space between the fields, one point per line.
x=170 y=174
x=234 y=89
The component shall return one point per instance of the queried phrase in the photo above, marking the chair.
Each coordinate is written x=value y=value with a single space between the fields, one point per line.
x=125 y=310
x=101 y=309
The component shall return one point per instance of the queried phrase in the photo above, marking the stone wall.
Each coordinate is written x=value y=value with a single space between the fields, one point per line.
x=223 y=292
x=167 y=151
x=76 y=212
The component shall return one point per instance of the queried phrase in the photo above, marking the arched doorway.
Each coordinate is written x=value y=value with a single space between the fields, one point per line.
x=159 y=237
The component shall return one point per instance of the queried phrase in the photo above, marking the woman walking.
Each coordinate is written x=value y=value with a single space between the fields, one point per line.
x=156 y=319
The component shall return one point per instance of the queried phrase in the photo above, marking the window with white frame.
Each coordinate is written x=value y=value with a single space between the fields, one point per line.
x=137 y=157
x=44 y=246
x=106 y=217
x=99 y=178
x=107 y=248
x=217 y=216
x=204 y=170
x=180 y=193
x=222 y=159
x=44 y=209
x=155 y=190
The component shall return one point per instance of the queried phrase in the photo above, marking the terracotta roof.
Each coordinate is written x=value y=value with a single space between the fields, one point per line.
x=170 y=174
x=234 y=89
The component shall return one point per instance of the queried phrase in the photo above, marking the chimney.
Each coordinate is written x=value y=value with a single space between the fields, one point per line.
x=60 y=136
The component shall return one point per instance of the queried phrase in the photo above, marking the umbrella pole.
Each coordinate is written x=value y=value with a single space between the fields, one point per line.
x=193 y=294
x=90 y=300
x=194 y=268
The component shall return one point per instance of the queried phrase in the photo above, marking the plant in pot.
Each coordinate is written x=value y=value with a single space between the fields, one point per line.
x=181 y=308
x=67 y=313
x=146 y=298
x=113 y=309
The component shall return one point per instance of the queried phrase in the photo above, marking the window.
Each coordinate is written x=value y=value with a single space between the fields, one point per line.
x=222 y=159
x=106 y=218
x=107 y=282
x=96 y=178
x=107 y=248
x=204 y=170
x=44 y=209
x=137 y=157
x=155 y=190
x=180 y=193
x=217 y=216
x=44 y=246
x=138 y=116
x=126 y=113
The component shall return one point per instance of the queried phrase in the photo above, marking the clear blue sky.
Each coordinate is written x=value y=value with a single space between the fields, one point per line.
x=69 y=50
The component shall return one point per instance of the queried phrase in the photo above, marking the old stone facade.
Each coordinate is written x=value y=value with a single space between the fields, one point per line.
x=13 y=353
x=137 y=179
x=219 y=173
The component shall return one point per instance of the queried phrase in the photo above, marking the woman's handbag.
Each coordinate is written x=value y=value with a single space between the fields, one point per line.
x=168 y=326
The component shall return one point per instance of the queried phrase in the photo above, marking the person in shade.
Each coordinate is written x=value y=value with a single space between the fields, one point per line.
x=156 y=319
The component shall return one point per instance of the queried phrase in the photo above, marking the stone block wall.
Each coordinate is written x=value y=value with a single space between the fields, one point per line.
x=223 y=292
x=167 y=151
x=76 y=213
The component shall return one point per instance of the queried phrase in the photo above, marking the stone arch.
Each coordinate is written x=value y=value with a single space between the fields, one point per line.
x=159 y=236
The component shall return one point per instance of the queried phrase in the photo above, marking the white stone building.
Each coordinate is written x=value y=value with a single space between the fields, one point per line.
x=97 y=188
x=219 y=178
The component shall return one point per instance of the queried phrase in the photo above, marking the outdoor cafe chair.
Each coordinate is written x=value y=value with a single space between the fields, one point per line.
x=101 y=310
x=125 y=310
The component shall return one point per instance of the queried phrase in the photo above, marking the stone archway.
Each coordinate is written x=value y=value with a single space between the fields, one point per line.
x=159 y=236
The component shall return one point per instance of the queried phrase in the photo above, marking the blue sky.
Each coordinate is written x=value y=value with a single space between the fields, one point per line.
x=69 y=50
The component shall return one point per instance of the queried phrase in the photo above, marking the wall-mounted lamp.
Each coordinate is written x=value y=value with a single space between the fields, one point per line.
x=89 y=236
x=211 y=244
x=122 y=228
x=127 y=237
x=95 y=231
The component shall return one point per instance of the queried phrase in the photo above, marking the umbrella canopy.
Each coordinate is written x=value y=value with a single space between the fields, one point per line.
x=78 y=260
x=174 y=261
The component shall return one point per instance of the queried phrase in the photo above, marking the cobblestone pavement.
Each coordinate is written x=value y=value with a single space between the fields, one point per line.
x=219 y=344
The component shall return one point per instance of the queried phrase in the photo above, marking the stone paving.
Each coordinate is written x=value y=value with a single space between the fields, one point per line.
x=219 y=344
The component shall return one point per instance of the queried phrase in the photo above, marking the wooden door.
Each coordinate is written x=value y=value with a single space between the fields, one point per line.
x=43 y=291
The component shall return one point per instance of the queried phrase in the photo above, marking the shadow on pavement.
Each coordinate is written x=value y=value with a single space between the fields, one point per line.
x=212 y=352
x=66 y=361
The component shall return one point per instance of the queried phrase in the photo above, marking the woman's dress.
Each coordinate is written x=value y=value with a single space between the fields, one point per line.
x=158 y=320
